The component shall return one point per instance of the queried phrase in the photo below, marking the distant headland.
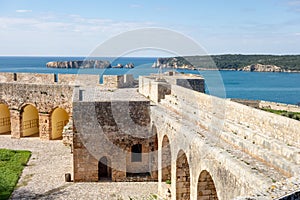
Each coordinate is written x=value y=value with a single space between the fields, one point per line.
x=237 y=62
x=86 y=64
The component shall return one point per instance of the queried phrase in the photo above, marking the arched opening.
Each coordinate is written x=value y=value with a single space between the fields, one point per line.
x=166 y=159
x=182 y=177
x=59 y=118
x=206 y=187
x=104 y=169
x=30 y=121
x=5 y=127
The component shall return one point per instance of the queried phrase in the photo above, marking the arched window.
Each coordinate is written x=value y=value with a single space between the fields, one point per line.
x=136 y=153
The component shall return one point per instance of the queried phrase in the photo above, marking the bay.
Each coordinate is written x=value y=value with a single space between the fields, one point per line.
x=268 y=86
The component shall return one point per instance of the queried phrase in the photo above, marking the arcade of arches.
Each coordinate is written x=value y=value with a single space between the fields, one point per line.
x=28 y=122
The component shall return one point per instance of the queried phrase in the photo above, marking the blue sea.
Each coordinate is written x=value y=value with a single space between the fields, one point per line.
x=277 y=87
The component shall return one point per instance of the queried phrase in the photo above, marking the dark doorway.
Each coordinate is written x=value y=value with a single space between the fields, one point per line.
x=136 y=153
x=104 y=169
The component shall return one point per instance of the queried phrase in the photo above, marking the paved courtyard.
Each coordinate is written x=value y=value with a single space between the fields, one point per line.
x=44 y=177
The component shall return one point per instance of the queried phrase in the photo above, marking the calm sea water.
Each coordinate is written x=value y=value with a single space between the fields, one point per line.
x=277 y=87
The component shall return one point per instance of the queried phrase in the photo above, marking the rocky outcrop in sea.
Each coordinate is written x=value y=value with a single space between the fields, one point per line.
x=86 y=64
x=262 y=68
x=174 y=63
x=100 y=64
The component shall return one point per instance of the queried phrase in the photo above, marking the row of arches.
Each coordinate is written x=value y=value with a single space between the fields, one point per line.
x=30 y=123
x=205 y=185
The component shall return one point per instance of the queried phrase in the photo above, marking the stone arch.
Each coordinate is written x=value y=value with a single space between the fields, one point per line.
x=166 y=158
x=104 y=169
x=182 y=177
x=5 y=123
x=206 y=188
x=153 y=156
x=59 y=118
x=29 y=121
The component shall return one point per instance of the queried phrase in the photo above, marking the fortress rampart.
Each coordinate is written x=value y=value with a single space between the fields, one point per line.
x=166 y=130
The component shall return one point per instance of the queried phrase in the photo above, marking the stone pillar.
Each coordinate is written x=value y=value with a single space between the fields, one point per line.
x=45 y=126
x=16 y=123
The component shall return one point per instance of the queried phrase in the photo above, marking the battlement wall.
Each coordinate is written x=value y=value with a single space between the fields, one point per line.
x=44 y=97
x=110 y=81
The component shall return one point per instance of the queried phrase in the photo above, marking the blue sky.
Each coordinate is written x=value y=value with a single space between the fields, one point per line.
x=73 y=27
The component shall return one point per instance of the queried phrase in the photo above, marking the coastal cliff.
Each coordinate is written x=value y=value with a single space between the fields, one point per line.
x=251 y=63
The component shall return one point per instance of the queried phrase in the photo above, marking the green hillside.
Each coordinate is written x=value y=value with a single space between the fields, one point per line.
x=237 y=61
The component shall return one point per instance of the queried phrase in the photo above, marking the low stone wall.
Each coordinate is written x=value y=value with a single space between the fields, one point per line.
x=118 y=81
x=64 y=79
x=279 y=106
x=268 y=105
x=6 y=77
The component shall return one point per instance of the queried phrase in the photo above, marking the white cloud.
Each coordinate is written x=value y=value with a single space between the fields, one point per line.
x=79 y=35
x=23 y=11
x=294 y=5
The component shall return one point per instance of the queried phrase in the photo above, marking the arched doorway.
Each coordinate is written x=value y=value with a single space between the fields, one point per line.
x=30 y=121
x=166 y=159
x=104 y=169
x=182 y=177
x=59 y=118
x=5 y=127
x=206 y=188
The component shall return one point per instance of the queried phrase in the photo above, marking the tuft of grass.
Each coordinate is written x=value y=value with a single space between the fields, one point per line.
x=11 y=165
x=168 y=182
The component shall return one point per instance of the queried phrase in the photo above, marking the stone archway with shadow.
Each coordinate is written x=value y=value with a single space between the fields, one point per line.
x=104 y=169
x=182 y=177
x=5 y=122
x=29 y=121
x=59 y=119
x=166 y=159
x=206 y=188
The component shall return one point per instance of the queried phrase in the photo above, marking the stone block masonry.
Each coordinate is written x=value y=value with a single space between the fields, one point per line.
x=111 y=129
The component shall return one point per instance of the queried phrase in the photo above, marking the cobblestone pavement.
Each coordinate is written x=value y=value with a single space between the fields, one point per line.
x=43 y=178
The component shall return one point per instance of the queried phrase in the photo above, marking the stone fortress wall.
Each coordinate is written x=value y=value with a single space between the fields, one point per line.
x=45 y=93
x=207 y=147
x=249 y=152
